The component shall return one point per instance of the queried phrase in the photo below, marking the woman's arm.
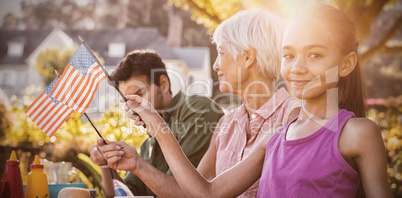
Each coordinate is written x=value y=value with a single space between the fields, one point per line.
x=207 y=164
x=361 y=141
x=229 y=184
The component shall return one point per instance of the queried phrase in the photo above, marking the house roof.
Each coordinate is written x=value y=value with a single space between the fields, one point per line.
x=30 y=38
x=140 y=38
x=98 y=40
x=193 y=56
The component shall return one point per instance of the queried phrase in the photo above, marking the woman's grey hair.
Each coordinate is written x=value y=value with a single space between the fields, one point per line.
x=258 y=29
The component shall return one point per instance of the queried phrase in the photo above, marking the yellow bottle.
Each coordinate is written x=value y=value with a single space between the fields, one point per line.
x=37 y=181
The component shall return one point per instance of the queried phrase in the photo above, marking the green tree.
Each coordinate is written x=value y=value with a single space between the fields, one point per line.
x=4 y=119
x=62 y=14
x=363 y=13
x=50 y=60
x=53 y=59
x=211 y=13
x=92 y=14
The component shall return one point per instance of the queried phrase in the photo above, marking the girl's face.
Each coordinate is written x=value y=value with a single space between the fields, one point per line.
x=310 y=60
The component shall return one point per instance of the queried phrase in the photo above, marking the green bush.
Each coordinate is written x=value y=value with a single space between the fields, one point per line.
x=389 y=120
x=74 y=137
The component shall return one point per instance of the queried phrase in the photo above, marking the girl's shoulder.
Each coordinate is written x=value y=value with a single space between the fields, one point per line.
x=357 y=135
x=360 y=126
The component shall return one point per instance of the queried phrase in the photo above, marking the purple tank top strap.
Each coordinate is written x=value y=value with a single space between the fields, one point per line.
x=343 y=116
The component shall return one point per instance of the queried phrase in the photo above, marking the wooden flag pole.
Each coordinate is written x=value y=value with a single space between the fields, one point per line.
x=90 y=121
x=104 y=141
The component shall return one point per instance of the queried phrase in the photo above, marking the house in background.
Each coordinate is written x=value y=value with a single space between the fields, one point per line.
x=198 y=74
x=189 y=68
x=18 y=53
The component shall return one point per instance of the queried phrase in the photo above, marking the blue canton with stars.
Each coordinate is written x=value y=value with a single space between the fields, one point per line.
x=82 y=60
x=50 y=88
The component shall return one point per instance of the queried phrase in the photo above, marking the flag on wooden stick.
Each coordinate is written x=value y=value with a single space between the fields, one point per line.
x=79 y=81
x=47 y=112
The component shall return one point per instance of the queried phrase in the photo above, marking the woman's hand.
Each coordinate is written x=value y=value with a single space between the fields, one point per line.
x=146 y=112
x=120 y=155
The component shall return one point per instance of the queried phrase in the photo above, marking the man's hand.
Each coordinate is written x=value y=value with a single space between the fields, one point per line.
x=96 y=156
x=120 y=156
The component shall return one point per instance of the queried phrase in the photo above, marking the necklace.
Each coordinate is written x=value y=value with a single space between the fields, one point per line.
x=249 y=132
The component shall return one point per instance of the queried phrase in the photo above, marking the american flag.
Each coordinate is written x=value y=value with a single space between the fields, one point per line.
x=47 y=112
x=79 y=81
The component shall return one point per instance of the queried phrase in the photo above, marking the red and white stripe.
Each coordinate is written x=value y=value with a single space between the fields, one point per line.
x=47 y=115
x=76 y=90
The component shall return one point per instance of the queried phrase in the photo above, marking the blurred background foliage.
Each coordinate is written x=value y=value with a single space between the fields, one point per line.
x=72 y=142
x=389 y=120
x=364 y=14
x=52 y=59
x=118 y=14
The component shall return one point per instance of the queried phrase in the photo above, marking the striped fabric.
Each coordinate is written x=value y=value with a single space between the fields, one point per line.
x=238 y=134
x=120 y=189
x=79 y=81
x=47 y=112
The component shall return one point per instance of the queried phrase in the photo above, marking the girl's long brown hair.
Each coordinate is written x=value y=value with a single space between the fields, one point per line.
x=352 y=93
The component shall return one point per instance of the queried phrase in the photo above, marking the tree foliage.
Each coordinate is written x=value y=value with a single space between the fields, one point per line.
x=389 y=120
x=50 y=14
x=363 y=13
x=53 y=59
x=50 y=60
x=4 y=118
x=210 y=13
x=93 y=14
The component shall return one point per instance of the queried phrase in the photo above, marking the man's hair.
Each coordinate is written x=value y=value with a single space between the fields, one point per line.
x=141 y=62
x=256 y=29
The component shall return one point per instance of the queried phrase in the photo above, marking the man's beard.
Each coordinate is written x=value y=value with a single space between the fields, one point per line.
x=158 y=100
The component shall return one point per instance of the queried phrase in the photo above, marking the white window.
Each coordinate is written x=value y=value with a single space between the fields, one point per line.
x=117 y=50
x=15 y=49
x=8 y=79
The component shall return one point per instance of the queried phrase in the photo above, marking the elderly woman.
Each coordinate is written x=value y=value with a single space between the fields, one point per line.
x=248 y=65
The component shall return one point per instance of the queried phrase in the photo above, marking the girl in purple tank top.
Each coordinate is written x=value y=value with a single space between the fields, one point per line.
x=327 y=151
x=330 y=147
